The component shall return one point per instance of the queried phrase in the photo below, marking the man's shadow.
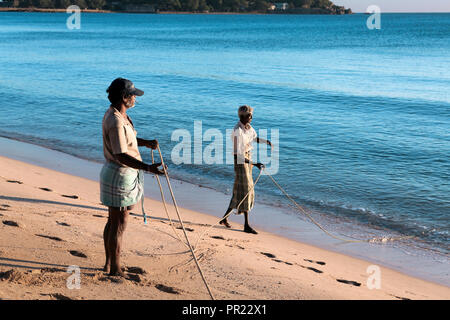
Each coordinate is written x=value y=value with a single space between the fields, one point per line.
x=14 y=264
x=30 y=200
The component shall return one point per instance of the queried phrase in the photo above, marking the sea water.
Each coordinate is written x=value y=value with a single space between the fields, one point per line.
x=363 y=115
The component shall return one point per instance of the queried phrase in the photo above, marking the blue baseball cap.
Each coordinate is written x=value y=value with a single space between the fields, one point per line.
x=125 y=86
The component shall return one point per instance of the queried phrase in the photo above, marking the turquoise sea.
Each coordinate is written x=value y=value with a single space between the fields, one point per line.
x=363 y=115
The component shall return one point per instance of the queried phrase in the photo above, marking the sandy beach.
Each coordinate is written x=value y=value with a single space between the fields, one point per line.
x=52 y=220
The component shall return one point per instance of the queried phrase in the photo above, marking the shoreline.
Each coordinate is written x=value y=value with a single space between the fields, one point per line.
x=184 y=191
x=55 y=10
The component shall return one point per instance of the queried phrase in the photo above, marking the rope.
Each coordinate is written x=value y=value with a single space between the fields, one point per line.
x=227 y=215
x=375 y=239
x=309 y=216
x=142 y=201
x=165 y=206
x=300 y=208
x=182 y=225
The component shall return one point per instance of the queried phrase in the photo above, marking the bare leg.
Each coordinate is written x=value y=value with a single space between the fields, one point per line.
x=247 y=227
x=106 y=242
x=224 y=221
x=117 y=227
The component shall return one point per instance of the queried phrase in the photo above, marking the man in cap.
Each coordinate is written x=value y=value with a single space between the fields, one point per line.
x=121 y=178
x=243 y=192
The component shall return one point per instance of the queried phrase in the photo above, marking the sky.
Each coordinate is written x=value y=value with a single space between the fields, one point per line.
x=397 y=5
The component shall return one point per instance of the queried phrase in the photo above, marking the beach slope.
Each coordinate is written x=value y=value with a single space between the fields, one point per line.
x=51 y=220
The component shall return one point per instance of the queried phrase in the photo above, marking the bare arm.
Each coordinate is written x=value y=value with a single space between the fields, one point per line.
x=134 y=163
x=153 y=144
x=261 y=140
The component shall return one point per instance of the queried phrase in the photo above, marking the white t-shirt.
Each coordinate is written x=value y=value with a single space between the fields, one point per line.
x=119 y=136
x=245 y=137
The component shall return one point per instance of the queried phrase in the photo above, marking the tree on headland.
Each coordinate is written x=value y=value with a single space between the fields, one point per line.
x=25 y=3
x=259 y=5
x=322 y=4
x=215 y=5
x=81 y=3
x=96 y=4
x=303 y=3
x=184 y=5
x=169 y=5
x=190 y=5
x=44 y=3
x=203 y=6
x=63 y=3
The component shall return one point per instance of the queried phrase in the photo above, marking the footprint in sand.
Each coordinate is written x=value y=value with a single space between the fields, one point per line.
x=353 y=283
x=63 y=224
x=52 y=270
x=318 y=262
x=134 y=277
x=49 y=237
x=77 y=254
x=167 y=289
x=10 y=223
x=68 y=196
x=14 y=181
x=98 y=216
x=268 y=254
x=401 y=298
x=135 y=270
x=187 y=229
x=218 y=237
x=9 y=274
x=312 y=269
x=46 y=189
x=281 y=261
x=112 y=279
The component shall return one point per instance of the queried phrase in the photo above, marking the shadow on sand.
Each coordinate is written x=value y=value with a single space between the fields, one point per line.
x=51 y=202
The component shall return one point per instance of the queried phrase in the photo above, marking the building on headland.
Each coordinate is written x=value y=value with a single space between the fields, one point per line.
x=280 y=6
x=283 y=7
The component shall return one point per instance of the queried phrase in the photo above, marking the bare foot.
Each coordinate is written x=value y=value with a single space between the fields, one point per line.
x=106 y=268
x=249 y=229
x=225 y=223
x=118 y=273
